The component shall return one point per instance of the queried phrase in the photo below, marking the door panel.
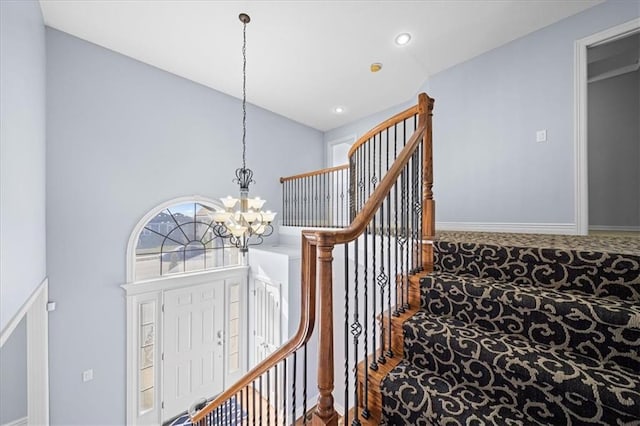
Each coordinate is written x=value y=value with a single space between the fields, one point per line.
x=193 y=352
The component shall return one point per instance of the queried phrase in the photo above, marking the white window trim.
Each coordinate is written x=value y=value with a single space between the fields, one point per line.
x=133 y=237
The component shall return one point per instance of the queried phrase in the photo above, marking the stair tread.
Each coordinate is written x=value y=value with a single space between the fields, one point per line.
x=415 y=396
x=549 y=294
x=513 y=358
x=602 y=328
x=601 y=270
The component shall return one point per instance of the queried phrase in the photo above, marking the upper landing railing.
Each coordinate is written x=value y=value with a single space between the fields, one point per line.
x=317 y=199
x=386 y=240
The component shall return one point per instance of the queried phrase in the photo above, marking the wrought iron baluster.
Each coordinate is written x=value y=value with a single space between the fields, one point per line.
x=402 y=239
x=367 y=185
x=304 y=385
x=382 y=278
x=346 y=334
x=293 y=396
x=268 y=397
x=261 y=400
x=285 y=389
x=356 y=330
x=406 y=208
x=396 y=233
x=374 y=181
x=420 y=192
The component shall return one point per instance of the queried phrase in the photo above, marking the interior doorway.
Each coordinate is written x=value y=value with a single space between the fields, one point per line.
x=607 y=191
x=613 y=135
x=338 y=151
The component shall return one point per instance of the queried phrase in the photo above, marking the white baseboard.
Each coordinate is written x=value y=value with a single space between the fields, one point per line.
x=614 y=228
x=524 y=228
x=18 y=422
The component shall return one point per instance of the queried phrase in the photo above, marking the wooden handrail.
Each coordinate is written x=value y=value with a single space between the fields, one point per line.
x=314 y=173
x=317 y=248
x=325 y=414
x=409 y=112
x=302 y=336
x=362 y=219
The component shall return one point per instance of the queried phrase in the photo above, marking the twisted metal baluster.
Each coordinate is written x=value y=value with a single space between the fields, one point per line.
x=304 y=385
x=346 y=334
x=293 y=396
x=365 y=412
x=395 y=210
x=374 y=181
x=382 y=277
x=356 y=330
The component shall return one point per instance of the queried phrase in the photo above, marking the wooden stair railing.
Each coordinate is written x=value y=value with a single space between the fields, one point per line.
x=317 y=199
x=390 y=205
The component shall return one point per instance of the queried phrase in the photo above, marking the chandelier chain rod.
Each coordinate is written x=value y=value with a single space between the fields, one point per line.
x=244 y=95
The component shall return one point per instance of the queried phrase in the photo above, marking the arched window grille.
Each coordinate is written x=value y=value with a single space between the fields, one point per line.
x=179 y=239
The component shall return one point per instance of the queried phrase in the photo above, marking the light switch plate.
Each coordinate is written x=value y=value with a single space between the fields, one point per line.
x=87 y=375
x=541 y=136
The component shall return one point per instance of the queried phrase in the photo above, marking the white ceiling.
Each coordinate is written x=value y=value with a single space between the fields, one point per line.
x=306 y=57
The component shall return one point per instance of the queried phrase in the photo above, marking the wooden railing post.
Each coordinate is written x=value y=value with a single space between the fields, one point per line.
x=325 y=413
x=425 y=112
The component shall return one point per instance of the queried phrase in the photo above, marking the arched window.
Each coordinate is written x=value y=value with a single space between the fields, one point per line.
x=178 y=239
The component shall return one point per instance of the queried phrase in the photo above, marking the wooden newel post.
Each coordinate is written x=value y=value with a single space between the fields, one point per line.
x=325 y=413
x=425 y=112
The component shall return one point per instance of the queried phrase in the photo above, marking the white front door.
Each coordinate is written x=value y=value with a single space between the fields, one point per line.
x=193 y=346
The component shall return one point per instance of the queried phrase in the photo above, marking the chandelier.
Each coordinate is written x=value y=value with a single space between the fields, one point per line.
x=242 y=221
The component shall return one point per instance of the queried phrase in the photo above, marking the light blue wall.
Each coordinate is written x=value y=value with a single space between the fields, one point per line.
x=487 y=164
x=13 y=375
x=22 y=154
x=122 y=138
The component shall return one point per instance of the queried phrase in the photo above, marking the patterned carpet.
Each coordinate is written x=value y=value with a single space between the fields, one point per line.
x=520 y=329
x=597 y=243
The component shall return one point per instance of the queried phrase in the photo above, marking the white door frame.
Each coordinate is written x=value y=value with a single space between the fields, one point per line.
x=351 y=139
x=581 y=179
x=151 y=291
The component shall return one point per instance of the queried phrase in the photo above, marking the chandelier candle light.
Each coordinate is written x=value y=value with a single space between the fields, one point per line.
x=242 y=221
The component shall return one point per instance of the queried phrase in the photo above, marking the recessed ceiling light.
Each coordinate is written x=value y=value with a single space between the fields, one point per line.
x=376 y=66
x=338 y=110
x=403 y=39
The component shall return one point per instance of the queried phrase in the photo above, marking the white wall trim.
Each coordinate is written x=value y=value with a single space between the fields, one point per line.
x=350 y=139
x=614 y=228
x=18 y=422
x=525 y=228
x=38 y=359
x=13 y=323
x=581 y=160
x=133 y=237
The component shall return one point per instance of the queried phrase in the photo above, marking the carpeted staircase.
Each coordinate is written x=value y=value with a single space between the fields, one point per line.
x=522 y=329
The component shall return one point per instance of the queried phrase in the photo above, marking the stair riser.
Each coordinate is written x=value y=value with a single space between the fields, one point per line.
x=599 y=274
x=605 y=335
x=492 y=365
